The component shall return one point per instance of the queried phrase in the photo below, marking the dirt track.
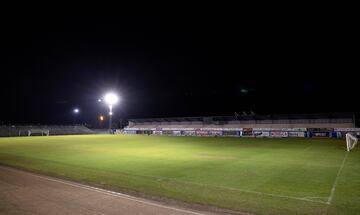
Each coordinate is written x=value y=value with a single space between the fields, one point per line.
x=26 y=193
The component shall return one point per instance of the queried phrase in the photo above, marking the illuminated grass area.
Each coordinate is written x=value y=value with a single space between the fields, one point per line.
x=261 y=176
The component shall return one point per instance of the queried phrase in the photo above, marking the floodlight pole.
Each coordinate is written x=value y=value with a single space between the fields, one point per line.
x=110 y=99
x=110 y=116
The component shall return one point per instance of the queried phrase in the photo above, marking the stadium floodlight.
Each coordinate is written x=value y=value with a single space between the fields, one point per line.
x=111 y=99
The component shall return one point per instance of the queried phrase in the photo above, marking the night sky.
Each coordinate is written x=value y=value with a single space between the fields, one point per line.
x=174 y=65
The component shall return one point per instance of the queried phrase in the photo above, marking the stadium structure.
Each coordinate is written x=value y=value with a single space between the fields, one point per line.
x=263 y=169
x=334 y=125
x=42 y=130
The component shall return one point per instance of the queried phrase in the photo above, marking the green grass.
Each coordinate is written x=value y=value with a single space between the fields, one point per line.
x=261 y=176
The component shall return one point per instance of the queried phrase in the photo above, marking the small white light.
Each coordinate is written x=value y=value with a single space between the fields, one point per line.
x=99 y=100
x=76 y=110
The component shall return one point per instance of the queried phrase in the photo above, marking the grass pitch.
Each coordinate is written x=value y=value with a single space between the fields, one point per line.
x=261 y=176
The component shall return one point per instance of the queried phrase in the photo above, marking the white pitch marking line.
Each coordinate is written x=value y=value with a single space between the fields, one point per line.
x=209 y=185
x=336 y=180
x=273 y=195
x=235 y=189
x=111 y=193
x=241 y=190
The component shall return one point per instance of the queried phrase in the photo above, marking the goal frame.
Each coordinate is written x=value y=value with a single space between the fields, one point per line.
x=351 y=141
x=43 y=132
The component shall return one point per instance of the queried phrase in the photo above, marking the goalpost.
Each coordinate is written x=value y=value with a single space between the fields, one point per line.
x=351 y=141
x=41 y=132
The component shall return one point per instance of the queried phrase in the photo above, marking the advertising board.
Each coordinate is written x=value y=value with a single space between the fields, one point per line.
x=279 y=134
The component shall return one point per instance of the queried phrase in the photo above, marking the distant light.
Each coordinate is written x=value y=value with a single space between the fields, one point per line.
x=99 y=100
x=101 y=118
x=111 y=98
x=76 y=110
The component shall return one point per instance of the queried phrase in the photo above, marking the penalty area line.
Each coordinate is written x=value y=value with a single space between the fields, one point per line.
x=268 y=194
x=336 y=180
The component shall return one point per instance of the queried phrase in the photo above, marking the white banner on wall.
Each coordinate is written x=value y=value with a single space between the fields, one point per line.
x=158 y=132
x=178 y=133
x=261 y=133
x=201 y=132
x=279 y=134
x=189 y=132
x=296 y=134
x=213 y=132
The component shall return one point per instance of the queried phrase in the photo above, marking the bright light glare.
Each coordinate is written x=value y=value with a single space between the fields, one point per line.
x=76 y=110
x=101 y=118
x=99 y=100
x=111 y=98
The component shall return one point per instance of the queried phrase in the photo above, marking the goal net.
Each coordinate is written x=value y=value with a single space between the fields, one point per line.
x=41 y=132
x=351 y=141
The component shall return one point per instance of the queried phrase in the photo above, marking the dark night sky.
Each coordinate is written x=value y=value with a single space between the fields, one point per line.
x=173 y=65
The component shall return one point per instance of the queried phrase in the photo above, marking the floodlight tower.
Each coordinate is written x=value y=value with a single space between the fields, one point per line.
x=111 y=99
x=76 y=112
